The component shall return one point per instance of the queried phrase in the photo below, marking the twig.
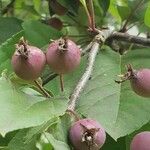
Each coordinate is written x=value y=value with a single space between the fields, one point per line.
x=98 y=41
x=5 y=10
x=123 y=29
x=85 y=77
x=86 y=49
x=41 y=88
x=130 y=38
x=74 y=114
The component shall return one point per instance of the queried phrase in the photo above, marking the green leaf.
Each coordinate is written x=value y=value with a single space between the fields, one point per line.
x=101 y=92
x=111 y=144
x=99 y=12
x=84 y=5
x=5 y=140
x=18 y=142
x=133 y=10
x=132 y=105
x=58 y=136
x=139 y=13
x=39 y=129
x=58 y=145
x=71 y=5
x=9 y=27
x=147 y=15
x=124 y=12
x=37 y=5
x=104 y=5
x=114 y=11
x=123 y=9
x=39 y=34
x=61 y=128
x=19 y=110
x=25 y=10
x=6 y=51
x=115 y=106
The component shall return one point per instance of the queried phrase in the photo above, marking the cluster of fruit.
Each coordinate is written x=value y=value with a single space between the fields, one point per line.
x=63 y=56
x=28 y=62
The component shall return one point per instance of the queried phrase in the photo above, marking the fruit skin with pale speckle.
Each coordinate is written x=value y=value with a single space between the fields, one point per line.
x=84 y=130
x=63 y=56
x=140 y=82
x=30 y=67
x=141 y=141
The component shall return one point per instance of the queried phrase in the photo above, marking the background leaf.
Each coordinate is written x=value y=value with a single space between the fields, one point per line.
x=147 y=14
x=71 y=5
x=111 y=144
x=39 y=34
x=9 y=27
x=6 y=51
x=102 y=93
x=59 y=145
x=19 y=110
x=18 y=142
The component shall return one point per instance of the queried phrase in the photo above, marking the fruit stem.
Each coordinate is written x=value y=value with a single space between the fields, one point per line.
x=128 y=75
x=61 y=82
x=77 y=118
x=91 y=15
x=42 y=89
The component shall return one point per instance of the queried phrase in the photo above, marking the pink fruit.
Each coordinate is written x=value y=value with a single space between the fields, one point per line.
x=141 y=141
x=28 y=61
x=63 y=56
x=87 y=134
x=140 y=82
x=139 y=79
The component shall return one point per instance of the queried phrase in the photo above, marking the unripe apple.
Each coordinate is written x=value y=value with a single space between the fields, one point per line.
x=141 y=141
x=87 y=134
x=28 y=61
x=63 y=56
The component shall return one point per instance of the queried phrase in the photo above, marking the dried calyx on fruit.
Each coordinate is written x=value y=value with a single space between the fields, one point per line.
x=87 y=134
x=28 y=61
x=63 y=55
x=141 y=141
x=139 y=79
